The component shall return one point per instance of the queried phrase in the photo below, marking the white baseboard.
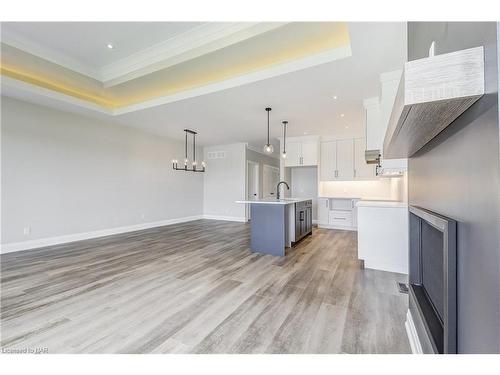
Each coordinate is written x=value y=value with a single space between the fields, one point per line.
x=225 y=218
x=411 y=331
x=50 y=241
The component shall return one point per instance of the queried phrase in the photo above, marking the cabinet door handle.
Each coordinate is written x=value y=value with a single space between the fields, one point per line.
x=326 y=203
x=301 y=216
x=354 y=173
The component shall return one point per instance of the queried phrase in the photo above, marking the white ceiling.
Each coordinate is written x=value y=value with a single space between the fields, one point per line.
x=304 y=97
x=86 y=42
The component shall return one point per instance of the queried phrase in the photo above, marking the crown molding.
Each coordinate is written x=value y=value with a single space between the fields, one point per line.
x=20 y=42
x=193 y=43
x=370 y=102
x=20 y=89
x=190 y=44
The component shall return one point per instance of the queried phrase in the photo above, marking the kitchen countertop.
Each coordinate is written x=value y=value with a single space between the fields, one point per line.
x=381 y=203
x=338 y=197
x=274 y=201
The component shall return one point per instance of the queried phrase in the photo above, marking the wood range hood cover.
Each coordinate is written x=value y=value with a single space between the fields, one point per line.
x=432 y=93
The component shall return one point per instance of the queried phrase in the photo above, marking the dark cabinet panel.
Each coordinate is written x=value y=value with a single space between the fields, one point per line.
x=303 y=219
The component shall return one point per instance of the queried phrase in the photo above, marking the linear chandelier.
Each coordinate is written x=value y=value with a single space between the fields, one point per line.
x=194 y=163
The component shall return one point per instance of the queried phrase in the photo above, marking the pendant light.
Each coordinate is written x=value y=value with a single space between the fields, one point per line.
x=194 y=163
x=268 y=147
x=284 y=139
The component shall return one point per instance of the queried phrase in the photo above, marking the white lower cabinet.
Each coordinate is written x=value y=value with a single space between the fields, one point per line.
x=337 y=213
x=323 y=211
x=340 y=218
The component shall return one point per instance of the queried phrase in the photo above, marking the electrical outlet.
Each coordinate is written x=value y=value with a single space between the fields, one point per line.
x=27 y=230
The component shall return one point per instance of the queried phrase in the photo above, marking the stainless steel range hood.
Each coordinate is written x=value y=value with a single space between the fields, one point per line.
x=372 y=156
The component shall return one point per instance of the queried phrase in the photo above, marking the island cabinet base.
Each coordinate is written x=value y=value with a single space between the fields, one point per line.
x=269 y=228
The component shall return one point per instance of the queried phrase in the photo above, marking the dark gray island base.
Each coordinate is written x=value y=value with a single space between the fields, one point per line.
x=277 y=224
x=268 y=233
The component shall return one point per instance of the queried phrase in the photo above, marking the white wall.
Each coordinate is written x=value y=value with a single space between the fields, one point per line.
x=304 y=184
x=64 y=174
x=225 y=183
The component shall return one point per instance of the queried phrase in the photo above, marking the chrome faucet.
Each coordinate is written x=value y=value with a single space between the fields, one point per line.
x=278 y=188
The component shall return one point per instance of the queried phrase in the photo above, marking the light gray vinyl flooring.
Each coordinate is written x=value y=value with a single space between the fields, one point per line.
x=197 y=288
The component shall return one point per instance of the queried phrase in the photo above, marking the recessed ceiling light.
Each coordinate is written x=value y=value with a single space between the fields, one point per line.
x=110 y=45
x=341 y=115
x=305 y=133
x=347 y=127
x=335 y=97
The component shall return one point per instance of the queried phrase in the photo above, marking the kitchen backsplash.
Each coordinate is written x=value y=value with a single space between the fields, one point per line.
x=383 y=189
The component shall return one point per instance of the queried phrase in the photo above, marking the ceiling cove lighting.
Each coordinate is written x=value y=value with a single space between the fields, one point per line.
x=268 y=147
x=284 y=139
x=194 y=162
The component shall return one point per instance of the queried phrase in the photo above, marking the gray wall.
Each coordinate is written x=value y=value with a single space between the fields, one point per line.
x=458 y=175
x=225 y=182
x=64 y=174
x=261 y=159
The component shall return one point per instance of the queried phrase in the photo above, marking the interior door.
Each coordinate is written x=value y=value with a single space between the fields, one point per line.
x=345 y=159
x=293 y=154
x=271 y=177
x=310 y=153
x=361 y=168
x=328 y=161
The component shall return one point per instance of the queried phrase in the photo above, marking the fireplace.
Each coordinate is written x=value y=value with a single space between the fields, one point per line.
x=432 y=280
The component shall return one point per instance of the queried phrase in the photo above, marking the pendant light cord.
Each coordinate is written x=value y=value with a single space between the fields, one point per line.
x=284 y=136
x=194 y=148
x=268 y=127
x=186 y=146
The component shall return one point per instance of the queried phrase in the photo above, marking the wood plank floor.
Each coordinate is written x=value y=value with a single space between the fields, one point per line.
x=197 y=288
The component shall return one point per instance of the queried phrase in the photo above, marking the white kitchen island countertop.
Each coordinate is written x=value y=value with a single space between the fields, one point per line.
x=381 y=203
x=274 y=201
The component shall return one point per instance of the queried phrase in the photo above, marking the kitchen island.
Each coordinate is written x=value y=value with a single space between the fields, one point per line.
x=278 y=223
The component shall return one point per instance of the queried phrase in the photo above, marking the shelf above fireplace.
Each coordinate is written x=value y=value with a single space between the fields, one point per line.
x=432 y=93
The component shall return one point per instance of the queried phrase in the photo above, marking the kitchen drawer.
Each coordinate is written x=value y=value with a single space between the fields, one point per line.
x=340 y=218
x=341 y=204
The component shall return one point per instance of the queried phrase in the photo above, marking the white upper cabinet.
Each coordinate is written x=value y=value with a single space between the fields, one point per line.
x=301 y=152
x=345 y=159
x=328 y=161
x=361 y=168
x=310 y=153
x=293 y=154
x=375 y=131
